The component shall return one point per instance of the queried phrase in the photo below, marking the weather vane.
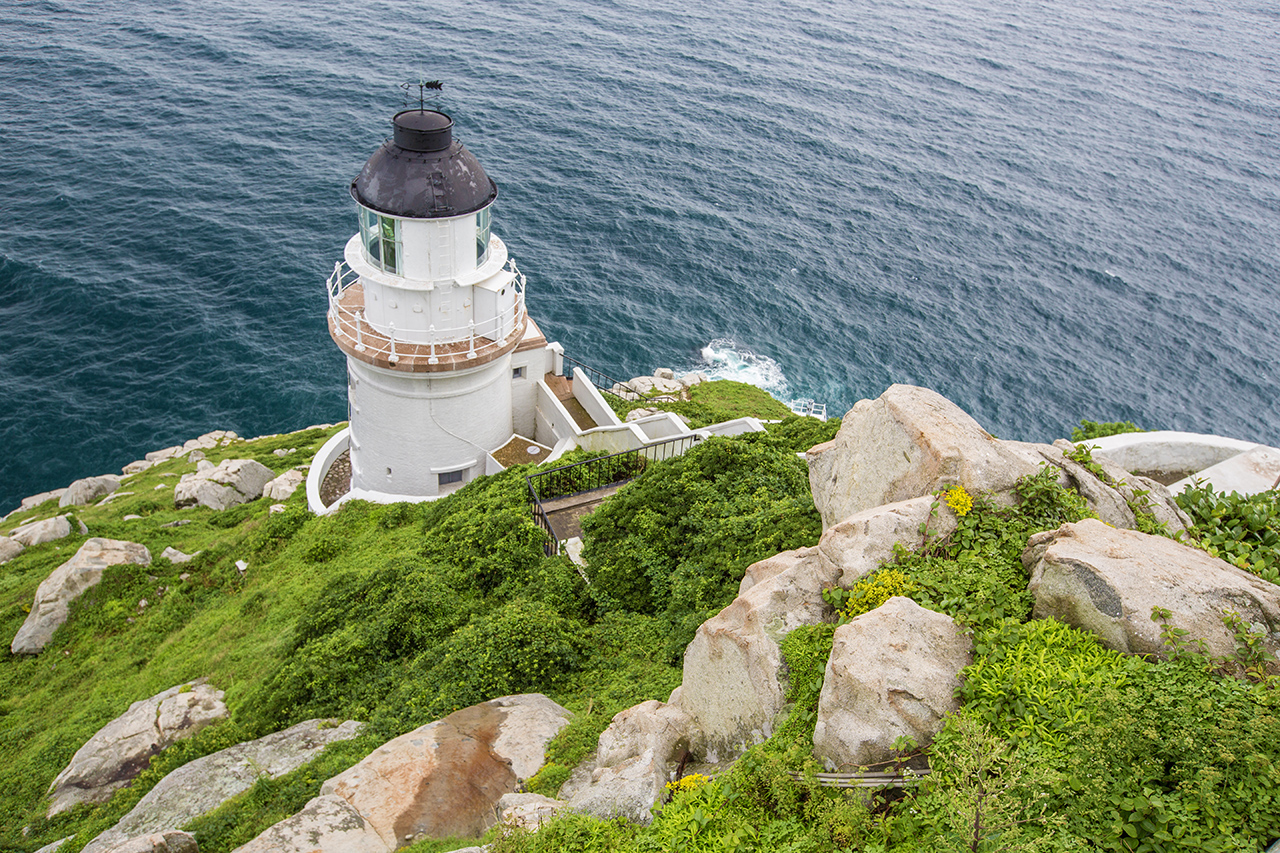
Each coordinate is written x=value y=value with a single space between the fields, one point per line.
x=423 y=86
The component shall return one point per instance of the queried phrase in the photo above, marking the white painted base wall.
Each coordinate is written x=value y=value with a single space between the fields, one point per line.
x=407 y=429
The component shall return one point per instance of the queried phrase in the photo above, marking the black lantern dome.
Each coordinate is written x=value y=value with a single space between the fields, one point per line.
x=422 y=172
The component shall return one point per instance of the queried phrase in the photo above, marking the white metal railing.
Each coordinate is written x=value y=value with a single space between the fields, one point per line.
x=430 y=340
x=810 y=409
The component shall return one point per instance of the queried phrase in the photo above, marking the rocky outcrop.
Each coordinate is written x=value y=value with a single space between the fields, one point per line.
x=863 y=542
x=446 y=777
x=527 y=811
x=123 y=747
x=1107 y=581
x=202 y=785
x=45 y=530
x=231 y=482
x=9 y=548
x=732 y=687
x=67 y=583
x=634 y=760
x=168 y=841
x=893 y=672
x=280 y=488
x=910 y=442
x=88 y=490
x=326 y=824
x=173 y=555
x=905 y=444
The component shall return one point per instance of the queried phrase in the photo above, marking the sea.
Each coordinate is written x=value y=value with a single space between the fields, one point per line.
x=1046 y=211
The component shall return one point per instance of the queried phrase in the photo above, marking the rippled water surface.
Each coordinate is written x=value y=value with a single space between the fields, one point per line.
x=1044 y=211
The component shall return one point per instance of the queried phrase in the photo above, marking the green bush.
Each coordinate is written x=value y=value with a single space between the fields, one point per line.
x=1243 y=530
x=677 y=540
x=1089 y=429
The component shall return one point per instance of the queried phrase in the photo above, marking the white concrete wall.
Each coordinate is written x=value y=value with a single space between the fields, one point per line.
x=552 y=422
x=536 y=364
x=320 y=465
x=408 y=428
x=593 y=401
x=1168 y=450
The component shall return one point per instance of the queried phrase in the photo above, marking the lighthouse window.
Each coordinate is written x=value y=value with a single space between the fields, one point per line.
x=448 y=478
x=483 y=220
x=382 y=242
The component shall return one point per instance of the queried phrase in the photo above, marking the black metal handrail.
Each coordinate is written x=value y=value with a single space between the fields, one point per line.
x=591 y=474
x=604 y=383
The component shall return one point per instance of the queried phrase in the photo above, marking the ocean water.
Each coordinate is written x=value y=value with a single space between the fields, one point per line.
x=1045 y=211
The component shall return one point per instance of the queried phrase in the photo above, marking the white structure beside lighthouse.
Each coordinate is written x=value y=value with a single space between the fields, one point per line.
x=448 y=378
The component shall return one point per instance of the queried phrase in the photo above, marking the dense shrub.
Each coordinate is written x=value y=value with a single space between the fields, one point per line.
x=677 y=540
x=1090 y=429
x=1243 y=530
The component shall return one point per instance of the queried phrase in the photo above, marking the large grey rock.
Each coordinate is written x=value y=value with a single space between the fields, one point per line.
x=89 y=489
x=280 y=488
x=893 y=672
x=327 y=824
x=1114 y=496
x=635 y=758
x=905 y=444
x=173 y=555
x=36 y=500
x=231 y=482
x=168 y=841
x=122 y=748
x=527 y=811
x=446 y=777
x=863 y=542
x=732 y=687
x=9 y=548
x=1107 y=581
x=45 y=530
x=67 y=583
x=202 y=785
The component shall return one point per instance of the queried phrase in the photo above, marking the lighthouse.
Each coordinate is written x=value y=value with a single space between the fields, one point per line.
x=429 y=310
x=448 y=377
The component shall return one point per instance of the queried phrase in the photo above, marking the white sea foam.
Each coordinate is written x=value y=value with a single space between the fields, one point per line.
x=724 y=358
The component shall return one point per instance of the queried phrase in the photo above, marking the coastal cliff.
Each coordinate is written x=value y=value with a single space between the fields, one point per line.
x=730 y=618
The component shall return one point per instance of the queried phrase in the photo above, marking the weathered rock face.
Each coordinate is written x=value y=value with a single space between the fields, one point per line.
x=1111 y=500
x=1107 y=581
x=446 y=777
x=527 y=811
x=286 y=484
x=231 y=482
x=168 y=841
x=732 y=670
x=204 y=784
x=892 y=672
x=67 y=583
x=861 y=543
x=634 y=761
x=905 y=444
x=89 y=489
x=45 y=530
x=327 y=824
x=123 y=747
x=9 y=548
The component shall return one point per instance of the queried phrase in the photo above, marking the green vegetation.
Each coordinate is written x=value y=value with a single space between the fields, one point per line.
x=1244 y=531
x=1089 y=429
x=397 y=615
x=394 y=615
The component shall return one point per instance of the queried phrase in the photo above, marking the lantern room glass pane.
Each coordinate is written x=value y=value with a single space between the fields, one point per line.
x=483 y=221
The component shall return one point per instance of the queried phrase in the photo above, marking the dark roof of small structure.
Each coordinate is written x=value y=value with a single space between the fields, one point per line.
x=421 y=172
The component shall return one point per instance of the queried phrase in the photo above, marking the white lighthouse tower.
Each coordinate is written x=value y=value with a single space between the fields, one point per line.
x=430 y=312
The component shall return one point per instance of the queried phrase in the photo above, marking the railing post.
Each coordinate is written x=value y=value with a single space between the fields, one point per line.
x=393 y=358
x=359 y=318
x=431 y=333
x=471 y=329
